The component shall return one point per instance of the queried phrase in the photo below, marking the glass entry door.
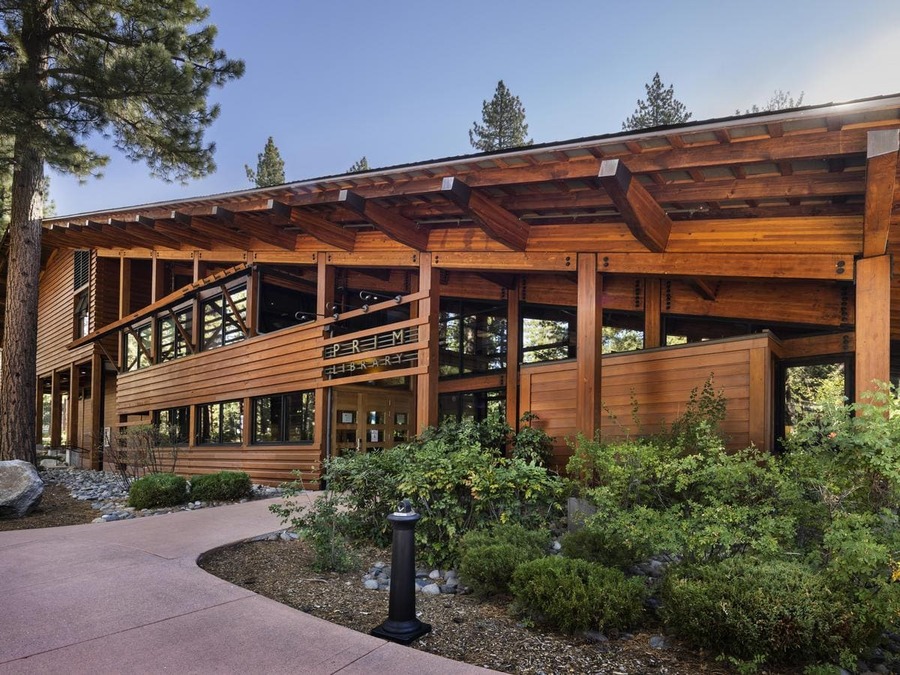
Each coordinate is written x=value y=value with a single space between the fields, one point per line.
x=368 y=420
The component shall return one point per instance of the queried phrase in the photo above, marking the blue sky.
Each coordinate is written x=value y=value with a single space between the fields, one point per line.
x=402 y=81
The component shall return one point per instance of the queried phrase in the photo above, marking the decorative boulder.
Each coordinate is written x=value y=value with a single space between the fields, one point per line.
x=20 y=488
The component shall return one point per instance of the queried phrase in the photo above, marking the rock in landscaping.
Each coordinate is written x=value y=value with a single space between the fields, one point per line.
x=659 y=642
x=371 y=584
x=20 y=488
x=431 y=589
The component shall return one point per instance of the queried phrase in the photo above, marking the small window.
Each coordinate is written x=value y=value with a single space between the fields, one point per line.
x=548 y=333
x=284 y=418
x=174 y=425
x=220 y=423
x=82 y=270
x=82 y=313
x=174 y=332
x=225 y=318
x=137 y=347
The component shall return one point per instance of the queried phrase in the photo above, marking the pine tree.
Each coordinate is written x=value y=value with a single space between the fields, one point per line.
x=139 y=72
x=503 y=123
x=269 y=167
x=362 y=164
x=780 y=100
x=659 y=109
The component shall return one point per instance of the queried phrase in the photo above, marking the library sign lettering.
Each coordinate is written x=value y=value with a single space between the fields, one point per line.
x=371 y=343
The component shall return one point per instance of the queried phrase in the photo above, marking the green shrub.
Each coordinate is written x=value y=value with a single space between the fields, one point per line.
x=576 y=595
x=489 y=557
x=532 y=444
x=157 y=490
x=751 y=610
x=320 y=520
x=604 y=548
x=224 y=486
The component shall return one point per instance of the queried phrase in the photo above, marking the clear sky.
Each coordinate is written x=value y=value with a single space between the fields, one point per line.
x=403 y=80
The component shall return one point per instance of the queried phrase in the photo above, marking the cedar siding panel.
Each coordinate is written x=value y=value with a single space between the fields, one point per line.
x=56 y=305
x=660 y=381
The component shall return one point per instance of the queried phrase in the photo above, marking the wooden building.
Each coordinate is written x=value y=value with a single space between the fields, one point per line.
x=273 y=327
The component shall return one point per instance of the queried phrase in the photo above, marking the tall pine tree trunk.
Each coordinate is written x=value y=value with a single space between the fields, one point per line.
x=19 y=374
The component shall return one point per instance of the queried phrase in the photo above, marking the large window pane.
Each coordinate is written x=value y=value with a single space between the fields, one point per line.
x=219 y=423
x=224 y=321
x=172 y=342
x=174 y=424
x=472 y=337
x=284 y=418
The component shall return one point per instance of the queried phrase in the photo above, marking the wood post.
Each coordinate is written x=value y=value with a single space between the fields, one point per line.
x=589 y=336
x=96 y=411
x=72 y=419
x=55 y=411
x=873 y=322
x=513 y=341
x=427 y=382
x=324 y=284
x=652 y=313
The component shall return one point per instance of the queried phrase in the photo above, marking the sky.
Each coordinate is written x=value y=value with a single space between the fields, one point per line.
x=402 y=81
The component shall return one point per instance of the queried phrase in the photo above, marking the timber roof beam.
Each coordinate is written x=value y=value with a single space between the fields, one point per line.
x=881 y=178
x=136 y=230
x=390 y=222
x=498 y=223
x=254 y=225
x=324 y=230
x=645 y=218
x=216 y=230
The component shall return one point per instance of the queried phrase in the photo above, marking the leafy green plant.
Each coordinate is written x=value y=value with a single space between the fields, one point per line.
x=319 y=520
x=489 y=557
x=222 y=486
x=605 y=548
x=576 y=595
x=532 y=444
x=764 y=611
x=158 y=490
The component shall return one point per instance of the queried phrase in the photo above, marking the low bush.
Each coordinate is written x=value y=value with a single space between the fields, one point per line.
x=224 y=486
x=158 y=490
x=576 y=595
x=607 y=548
x=754 y=611
x=489 y=557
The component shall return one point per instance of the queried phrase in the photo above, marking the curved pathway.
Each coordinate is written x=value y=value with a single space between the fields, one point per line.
x=128 y=597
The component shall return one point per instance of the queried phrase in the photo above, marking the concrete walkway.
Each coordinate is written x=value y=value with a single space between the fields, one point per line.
x=128 y=597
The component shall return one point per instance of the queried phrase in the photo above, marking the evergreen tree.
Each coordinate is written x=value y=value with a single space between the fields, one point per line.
x=660 y=108
x=780 y=100
x=139 y=72
x=503 y=123
x=361 y=164
x=269 y=167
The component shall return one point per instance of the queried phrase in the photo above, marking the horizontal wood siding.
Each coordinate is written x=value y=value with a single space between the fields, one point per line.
x=288 y=360
x=56 y=310
x=660 y=381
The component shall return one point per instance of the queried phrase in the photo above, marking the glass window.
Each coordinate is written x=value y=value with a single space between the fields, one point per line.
x=222 y=325
x=171 y=341
x=285 y=299
x=174 y=424
x=475 y=405
x=137 y=347
x=82 y=313
x=548 y=333
x=284 y=418
x=220 y=423
x=472 y=337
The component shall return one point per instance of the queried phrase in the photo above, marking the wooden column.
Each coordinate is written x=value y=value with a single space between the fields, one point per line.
x=652 y=313
x=881 y=175
x=324 y=295
x=55 y=411
x=426 y=392
x=590 y=334
x=873 y=322
x=124 y=286
x=96 y=411
x=72 y=421
x=513 y=343
x=253 y=302
x=39 y=412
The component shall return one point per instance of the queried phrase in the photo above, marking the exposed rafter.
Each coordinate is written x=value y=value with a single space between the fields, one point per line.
x=498 y=223
x=705 y=288
x=645 y=218
x=174 y=228
x=216 y=230
x=392 y=223
x=137 y=230
x=254 y=225
x=315 y=226
x=881 y=177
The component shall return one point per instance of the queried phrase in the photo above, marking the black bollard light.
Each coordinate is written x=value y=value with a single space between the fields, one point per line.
x=402 y=626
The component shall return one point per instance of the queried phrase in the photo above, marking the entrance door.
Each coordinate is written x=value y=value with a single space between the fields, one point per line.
x=368 y=419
